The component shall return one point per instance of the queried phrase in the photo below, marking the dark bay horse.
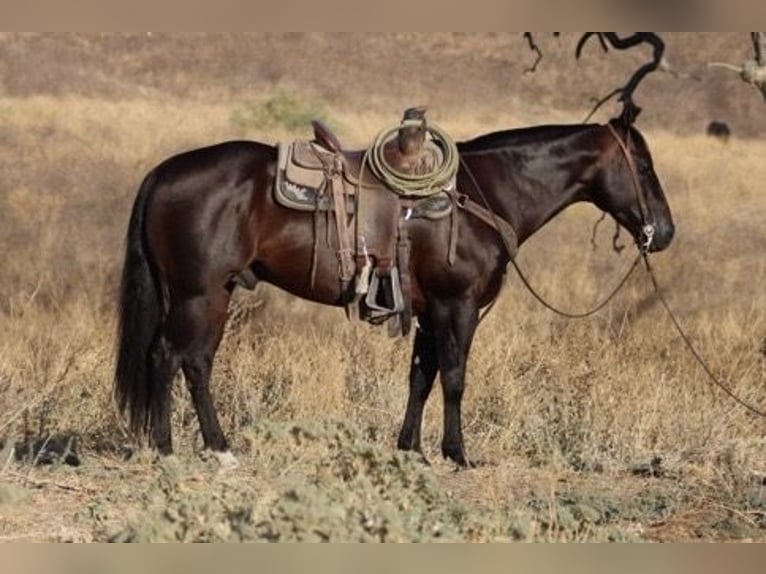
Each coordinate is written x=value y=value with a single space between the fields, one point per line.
x=203 y=217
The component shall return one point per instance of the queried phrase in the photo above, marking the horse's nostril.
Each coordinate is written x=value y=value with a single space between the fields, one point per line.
x=663 y=236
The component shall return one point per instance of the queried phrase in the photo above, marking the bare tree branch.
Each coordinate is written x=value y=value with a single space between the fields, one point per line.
x=667 y=68
x=602 y=101
x=752 y=71
x=759 y=47
x=535 y=48
x=630 y=109
x=584 y=38
x=725 y=66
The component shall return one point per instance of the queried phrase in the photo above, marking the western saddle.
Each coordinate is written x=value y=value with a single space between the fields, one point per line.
x=370 y=213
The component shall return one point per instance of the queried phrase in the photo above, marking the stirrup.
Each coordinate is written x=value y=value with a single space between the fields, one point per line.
x=396 y=292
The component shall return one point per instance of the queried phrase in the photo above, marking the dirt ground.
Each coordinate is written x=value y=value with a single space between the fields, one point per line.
x=327 y=482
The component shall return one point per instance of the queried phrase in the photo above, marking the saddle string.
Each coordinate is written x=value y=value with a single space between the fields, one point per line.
x=522 y=276
x=595 y=229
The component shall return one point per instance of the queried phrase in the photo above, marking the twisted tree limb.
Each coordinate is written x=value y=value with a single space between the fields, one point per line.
x=607 y=39
x=535 y=48
x=630 y=109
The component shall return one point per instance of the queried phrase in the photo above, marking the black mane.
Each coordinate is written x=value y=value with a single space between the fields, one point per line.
x=520 y=136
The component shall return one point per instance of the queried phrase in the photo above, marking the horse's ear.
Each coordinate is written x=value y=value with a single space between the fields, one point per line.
x=619 y=125
x=630 y=113
x=626 y=119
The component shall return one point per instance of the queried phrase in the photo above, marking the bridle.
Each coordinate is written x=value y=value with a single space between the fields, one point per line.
x=648 y=231
x=647 y=228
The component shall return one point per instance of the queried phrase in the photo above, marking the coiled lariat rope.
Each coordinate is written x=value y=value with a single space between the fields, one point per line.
x=408 y=184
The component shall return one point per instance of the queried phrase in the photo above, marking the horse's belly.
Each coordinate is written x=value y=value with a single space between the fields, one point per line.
x=296 y=272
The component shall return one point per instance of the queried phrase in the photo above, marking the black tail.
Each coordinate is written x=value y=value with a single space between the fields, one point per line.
x=140 y=316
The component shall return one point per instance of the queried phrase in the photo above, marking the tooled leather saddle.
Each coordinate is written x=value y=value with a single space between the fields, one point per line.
x=371 y=239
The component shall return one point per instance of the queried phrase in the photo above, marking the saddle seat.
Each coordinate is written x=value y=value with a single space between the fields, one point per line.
x=302 y=178
x=410 y=155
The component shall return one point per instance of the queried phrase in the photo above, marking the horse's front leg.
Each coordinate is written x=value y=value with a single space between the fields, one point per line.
x=454 y=325
x=423 y=370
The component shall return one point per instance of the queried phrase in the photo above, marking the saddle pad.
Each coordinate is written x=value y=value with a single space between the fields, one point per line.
x=300 y=188
x=301 y=165
x=305 y=163
x=308 y=155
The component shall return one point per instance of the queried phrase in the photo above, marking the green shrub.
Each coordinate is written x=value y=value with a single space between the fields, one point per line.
x=278 y=110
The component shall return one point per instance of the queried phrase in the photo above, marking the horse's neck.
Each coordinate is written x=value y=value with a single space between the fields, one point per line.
x=540 y=184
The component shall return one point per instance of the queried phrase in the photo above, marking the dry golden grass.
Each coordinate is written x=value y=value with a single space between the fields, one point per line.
x=551 y=406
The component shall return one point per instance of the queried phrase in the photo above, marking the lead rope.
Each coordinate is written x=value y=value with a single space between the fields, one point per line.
x=691 y=348
x=643 y=254
x=648 y=231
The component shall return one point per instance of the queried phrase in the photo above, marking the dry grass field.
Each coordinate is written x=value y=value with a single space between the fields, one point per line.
x=592 y=430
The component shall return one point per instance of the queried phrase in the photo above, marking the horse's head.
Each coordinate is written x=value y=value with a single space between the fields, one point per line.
x=629 y=189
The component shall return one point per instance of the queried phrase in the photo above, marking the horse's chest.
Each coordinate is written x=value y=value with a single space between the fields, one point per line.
x=475 y=279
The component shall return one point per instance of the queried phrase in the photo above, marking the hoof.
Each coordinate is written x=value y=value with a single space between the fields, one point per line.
x=467 y=465
x=226 y=460
x=168 y=463
x=464 y=463
x=457 y=456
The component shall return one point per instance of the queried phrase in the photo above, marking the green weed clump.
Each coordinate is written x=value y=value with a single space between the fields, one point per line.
x=279 y=110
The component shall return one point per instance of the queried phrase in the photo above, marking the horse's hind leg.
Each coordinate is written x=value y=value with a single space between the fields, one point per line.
x=189 y=339
x=423 y=370
x=165 y=363
x=205 y=320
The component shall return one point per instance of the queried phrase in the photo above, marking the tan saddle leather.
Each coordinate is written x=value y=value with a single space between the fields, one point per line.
x=371 y=240
x=325 y=137
x=410 y=153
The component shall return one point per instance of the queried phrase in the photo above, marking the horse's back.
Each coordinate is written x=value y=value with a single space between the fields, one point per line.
x=216 y=159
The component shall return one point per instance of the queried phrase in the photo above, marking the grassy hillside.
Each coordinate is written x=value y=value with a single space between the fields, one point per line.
x=476 y=74
x=602 y=429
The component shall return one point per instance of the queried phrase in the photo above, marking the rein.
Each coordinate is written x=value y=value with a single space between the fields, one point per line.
x=643 y=253
x=511 y=249
x=691 y=348
x=571 y=315
x=648 y=230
